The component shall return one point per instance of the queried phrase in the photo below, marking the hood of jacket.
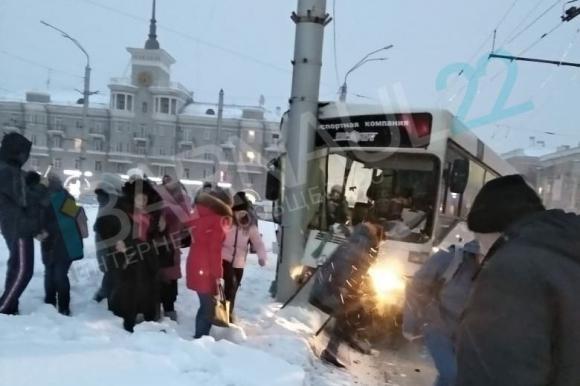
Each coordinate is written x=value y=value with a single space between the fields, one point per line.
x=15 y=149
x=553 y=230
x=208 y=204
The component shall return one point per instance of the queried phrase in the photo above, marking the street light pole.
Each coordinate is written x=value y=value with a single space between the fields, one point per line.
x=366 y=59
x=86 y=89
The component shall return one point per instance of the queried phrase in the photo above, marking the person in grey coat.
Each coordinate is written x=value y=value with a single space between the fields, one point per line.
x=522 y=324
x=435 y=300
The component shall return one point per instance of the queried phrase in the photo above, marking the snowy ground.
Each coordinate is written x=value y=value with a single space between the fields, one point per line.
x=269 y=347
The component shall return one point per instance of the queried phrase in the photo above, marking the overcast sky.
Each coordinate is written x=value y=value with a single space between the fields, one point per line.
x=246 y=47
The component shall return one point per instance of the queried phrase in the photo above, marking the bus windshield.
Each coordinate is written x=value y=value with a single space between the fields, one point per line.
x=398 y=189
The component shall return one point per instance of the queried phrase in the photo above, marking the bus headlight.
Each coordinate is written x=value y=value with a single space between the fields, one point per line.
x=388 y=283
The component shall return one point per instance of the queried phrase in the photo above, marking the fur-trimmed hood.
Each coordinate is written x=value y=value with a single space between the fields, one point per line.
x=214 y=204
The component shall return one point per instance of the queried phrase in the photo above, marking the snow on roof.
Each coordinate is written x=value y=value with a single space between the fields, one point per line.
x=197 y=109
x=202 y=109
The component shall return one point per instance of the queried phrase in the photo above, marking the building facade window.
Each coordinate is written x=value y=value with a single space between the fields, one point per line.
x=141 y=149
x=120 y=168
x=77 y=164
x=173 y=106
x=123 y=102
x=78 y=144
x=34 y=163
x=120 y=147
x=33 y=139
x=144 y=107
x=166 y=105
x=98 y=145
x=98 y=166
x=56 y=163
x=57 y=142
x=251 y=136
x=186 y=173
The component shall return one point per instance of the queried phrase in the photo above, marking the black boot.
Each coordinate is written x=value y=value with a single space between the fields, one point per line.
x=329 y=357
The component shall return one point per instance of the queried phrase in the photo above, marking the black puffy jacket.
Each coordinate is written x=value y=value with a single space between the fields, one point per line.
x=19 y=207
x=522 y=324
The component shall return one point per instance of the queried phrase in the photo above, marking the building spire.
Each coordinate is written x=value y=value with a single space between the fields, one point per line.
x=152 y=43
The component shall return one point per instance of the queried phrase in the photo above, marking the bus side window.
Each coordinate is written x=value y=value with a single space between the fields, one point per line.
x=474 y=185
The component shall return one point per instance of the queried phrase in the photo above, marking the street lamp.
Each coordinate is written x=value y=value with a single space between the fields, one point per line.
x=86 y=91
x=366 y=59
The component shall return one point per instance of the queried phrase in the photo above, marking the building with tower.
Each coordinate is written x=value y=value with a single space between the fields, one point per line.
x=150 y=122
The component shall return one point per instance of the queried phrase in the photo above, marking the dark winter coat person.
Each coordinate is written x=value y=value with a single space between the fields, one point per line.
x=435 y=300
x=243 y=233
x=210 y=221
x=109 y=192
x=339 y=283
x=62 y=246
x=176 y=212
x=520 y=327
x=135 y=261
x=20 y=219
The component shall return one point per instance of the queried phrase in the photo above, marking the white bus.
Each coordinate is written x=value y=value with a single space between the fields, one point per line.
x=417 y=171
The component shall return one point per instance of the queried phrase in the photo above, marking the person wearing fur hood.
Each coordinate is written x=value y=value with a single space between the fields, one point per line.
x=210 y=221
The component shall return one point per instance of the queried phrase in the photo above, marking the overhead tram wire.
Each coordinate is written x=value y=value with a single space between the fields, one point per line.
x=190 y=37
x=334 y=43
x=484 y=43
x=37 y=64
x=522 y=22
x=557 y=2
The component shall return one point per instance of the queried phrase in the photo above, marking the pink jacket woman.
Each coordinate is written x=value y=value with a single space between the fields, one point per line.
x=236 y=245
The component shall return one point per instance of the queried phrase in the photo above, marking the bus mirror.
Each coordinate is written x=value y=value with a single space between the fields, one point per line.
x=273 y=180
x=458 y=176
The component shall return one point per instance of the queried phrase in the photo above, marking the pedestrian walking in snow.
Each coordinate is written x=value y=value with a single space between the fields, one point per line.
x=435 y=300
x=62 y=246
x=109 y=192
x=136 y=265
x=338 y=285
x=20 y=219
x=243 y=233
x=521 y=324
x=210 y=221
x=176 y=211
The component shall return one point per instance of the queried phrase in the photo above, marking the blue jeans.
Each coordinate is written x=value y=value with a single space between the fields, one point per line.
x=442 y=351
x=204 y=317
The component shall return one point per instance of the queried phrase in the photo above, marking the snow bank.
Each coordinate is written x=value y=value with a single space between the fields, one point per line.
x=267 y=347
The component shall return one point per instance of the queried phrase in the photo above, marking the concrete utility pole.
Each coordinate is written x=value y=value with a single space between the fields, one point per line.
x=310 y=19
x=86 y=89
x=220 y=119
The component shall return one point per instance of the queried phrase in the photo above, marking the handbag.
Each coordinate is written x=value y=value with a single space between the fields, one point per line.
x=185 y=238
x=221 y=315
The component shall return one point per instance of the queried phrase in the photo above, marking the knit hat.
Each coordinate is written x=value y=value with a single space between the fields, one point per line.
x=502 y=202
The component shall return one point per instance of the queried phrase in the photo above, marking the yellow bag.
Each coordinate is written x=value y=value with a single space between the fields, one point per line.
x=221 y=315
